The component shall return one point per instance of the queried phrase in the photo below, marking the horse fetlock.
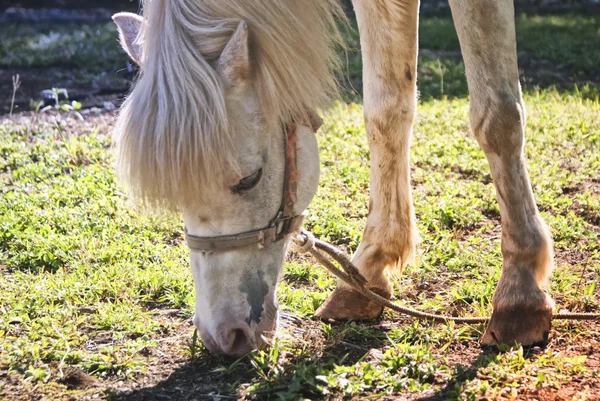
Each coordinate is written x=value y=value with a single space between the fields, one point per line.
x=378 y=252
x=345 y=303
x=391 y=245
x=522 y=285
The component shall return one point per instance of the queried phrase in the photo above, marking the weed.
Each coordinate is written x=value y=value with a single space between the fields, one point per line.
x=16 y=81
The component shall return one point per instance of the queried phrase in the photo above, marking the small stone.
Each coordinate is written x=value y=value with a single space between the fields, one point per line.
x=109 y=106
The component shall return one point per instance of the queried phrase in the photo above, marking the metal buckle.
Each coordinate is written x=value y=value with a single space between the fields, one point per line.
x=281 y=226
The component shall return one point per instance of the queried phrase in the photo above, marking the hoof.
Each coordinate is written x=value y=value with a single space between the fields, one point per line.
x=518 y=326
x=348 y=304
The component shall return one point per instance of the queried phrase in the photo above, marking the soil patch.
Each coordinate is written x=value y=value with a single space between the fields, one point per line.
x=77 y=379
x=91 y=91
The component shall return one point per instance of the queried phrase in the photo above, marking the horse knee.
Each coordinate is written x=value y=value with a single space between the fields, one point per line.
x=391 y=121
x=497 y=122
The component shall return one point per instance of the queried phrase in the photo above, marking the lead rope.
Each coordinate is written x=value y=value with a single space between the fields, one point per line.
x=305 y=242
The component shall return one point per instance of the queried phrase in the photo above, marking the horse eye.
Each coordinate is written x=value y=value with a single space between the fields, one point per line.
x=247 y=183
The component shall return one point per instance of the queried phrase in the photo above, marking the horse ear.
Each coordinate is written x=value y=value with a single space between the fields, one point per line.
x=129 y=26
x=234 y=63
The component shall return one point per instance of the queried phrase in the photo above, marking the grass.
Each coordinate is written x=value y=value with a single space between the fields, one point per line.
x=91 y=282
x=574 y=37
x=557 y=51
x=83 y=58
x=93 y=47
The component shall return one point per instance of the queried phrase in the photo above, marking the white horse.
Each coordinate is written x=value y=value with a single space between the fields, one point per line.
x=219 y=126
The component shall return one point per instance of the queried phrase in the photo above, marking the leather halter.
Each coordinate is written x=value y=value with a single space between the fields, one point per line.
x=284 y=223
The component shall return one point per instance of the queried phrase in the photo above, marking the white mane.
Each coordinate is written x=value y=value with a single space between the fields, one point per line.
x=172 y=137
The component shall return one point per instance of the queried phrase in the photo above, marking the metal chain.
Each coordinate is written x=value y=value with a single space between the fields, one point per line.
x=305 y=242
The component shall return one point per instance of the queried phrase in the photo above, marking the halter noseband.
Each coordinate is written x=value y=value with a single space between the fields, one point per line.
x=284 y=223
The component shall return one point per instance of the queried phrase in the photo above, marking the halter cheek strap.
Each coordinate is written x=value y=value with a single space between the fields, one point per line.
x=284 y=223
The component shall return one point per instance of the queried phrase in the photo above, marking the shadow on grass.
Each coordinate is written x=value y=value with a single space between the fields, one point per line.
x=464 y=373
x=554 y=52
x=441 y=74
x=215 y=377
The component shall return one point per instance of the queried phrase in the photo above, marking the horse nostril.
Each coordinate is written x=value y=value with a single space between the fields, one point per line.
x=238 y=342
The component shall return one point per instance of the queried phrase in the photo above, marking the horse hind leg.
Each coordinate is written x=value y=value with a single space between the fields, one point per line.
x=388 y=34
x=522 y=306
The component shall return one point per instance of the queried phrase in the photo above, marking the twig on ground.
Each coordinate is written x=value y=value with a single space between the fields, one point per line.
x=580 y=279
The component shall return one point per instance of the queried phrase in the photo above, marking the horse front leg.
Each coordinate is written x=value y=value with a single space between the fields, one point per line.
x=388 y=35
x=522 y=306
